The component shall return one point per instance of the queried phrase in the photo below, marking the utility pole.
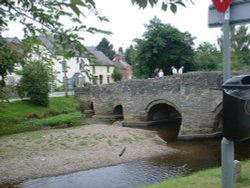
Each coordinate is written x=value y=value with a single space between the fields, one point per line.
x=65 y=79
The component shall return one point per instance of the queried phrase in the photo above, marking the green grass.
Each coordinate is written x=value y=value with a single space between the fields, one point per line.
x=17 y=111
x=55 y=120
x=21 y=116
x=210 y=178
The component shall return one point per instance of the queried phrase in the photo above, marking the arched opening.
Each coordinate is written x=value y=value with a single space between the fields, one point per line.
x=218 y=120
x=165 y=119
x=91 y=105
x=162 y=111
x=118 y=112
x=89 y=110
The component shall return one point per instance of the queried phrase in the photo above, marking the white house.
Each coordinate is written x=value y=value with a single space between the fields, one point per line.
x=103 y=69
x=78 y=70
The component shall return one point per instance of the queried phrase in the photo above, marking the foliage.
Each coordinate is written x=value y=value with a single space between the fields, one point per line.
x=120 y=50
x=128 y=54
x=172 y=4
x=55 y=120
x=162 y=46
x=8 y=91
x=207 y=57
x=9 y=57
x=240 y=47
x=107 y=48
x=43 y=17
x=117 y=74
x=35 y=83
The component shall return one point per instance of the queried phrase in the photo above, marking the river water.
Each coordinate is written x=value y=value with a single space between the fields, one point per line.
x=194 y=156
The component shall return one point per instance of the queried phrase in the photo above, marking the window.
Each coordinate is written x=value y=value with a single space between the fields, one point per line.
x=107 y=68
x=93 y=69
x=101 y=79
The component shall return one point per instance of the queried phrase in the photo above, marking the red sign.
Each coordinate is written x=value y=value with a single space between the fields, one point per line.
x=221 y=5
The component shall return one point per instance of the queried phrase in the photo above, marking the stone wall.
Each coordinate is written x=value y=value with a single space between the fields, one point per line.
x=196 y=96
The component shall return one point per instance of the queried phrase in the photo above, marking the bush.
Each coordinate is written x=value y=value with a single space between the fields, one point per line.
x=35 y=83
x=117 y=74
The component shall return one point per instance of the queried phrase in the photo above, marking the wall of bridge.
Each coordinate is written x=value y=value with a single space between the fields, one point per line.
x=197 y=98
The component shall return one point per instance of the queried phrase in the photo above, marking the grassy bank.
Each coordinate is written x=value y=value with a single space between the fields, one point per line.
x=210 y=178
x=23 y=116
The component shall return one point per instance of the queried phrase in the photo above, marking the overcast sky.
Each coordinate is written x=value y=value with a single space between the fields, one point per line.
x=126 y=22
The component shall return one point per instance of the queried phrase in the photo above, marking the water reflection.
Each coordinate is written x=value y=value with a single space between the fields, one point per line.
x=125 y=176
x=194 y=155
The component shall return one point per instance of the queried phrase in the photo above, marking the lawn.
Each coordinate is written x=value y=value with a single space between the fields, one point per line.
x=210 y=178
x=23 y=116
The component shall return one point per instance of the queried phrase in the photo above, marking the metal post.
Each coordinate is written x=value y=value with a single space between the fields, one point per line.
x=227 y=146
x=227 y=162
x=226 y=46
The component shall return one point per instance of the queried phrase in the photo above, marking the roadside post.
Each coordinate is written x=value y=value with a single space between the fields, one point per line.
x=224 y=13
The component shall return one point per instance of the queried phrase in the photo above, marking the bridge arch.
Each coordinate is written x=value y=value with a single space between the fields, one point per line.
x=164 y=116
x=218 y=118
x=118 y=112
x=162 y=110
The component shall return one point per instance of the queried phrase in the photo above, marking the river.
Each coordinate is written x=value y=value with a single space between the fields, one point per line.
x=194 y=156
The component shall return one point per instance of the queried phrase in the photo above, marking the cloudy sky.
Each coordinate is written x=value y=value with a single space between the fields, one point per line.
x=126 y=22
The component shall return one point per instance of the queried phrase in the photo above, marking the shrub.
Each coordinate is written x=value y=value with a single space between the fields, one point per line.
x=117 y=74
x=35 y=83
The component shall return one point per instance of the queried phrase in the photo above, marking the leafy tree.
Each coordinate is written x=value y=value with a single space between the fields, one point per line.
x=107 y=48
x=120 y=50
x=165 y=4
x=42 y=17
x=117 y=74
x=9 y=57
x=34 y=83
x=162 y=46
x=240 y=47
x=207 y=57
x=128 y=54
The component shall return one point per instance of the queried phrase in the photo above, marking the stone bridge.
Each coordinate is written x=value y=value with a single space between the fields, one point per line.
x=193 y=98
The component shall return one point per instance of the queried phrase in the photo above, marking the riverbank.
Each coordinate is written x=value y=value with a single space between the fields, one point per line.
x=210 y=178
x=59 y=151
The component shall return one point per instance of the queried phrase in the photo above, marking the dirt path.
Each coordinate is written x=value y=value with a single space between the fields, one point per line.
x=60 y=151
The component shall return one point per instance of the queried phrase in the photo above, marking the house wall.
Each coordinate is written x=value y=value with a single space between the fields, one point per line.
x=73 y=66
x=102 y=73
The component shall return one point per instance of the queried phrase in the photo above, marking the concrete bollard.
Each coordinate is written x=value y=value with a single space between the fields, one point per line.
x=237 y=170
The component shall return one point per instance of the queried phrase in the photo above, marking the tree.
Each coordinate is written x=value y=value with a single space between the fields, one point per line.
x=128 y=54
x=117 y=74
x=207 y=57
x=9 y=57
x=240 y=47
x=162 y=46
x=120 y=50
x=172 y=4
x=34 y=83
x=106 y=47
x=46 y=17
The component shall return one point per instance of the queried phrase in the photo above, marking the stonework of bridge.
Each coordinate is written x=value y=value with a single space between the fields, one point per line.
x=194 y=98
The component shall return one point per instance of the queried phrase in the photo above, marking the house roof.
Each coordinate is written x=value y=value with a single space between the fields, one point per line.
x=12 y=40
x=99 y=55
x=46 y=42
